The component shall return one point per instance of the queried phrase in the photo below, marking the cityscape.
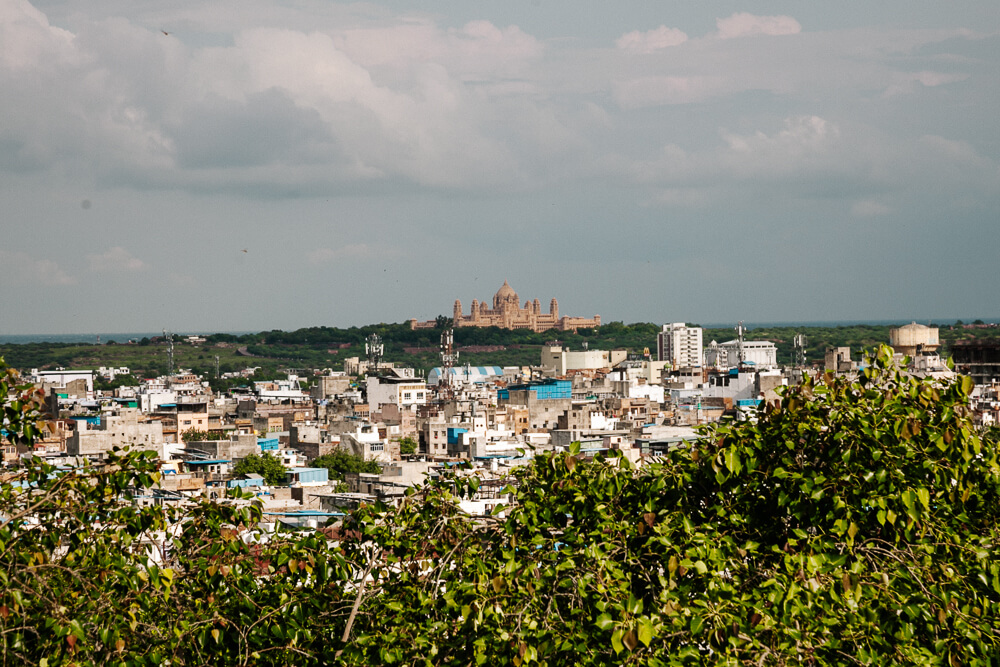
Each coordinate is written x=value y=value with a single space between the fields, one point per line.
x=499 y=333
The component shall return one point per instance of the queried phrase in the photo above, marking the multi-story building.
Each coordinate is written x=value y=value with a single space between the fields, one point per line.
x=759 y=353
x=127 y=428
x=558 y=360
x=680 y=345
x=404 y=392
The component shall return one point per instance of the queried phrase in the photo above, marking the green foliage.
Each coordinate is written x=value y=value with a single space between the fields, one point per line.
x=118 y=381
x=194 y=435
x=264 y=465
x=852 y=523
x=21 y=405
x=341 y=461
x=407 y=446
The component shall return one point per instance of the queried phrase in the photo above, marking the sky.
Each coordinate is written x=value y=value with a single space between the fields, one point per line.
x=212 y=165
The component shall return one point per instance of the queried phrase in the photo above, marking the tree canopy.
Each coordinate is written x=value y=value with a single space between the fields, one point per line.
x=341 y=461
x=850 y=523
x=264 y=465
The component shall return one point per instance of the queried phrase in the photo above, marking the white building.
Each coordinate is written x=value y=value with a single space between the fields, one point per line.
x=407 y=393
x=560 y=360
x=759 y=353
x=680 y=345
x=280 y=390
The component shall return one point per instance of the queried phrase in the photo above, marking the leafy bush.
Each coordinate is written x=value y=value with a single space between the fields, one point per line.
x=852 y=523
x=264 y=465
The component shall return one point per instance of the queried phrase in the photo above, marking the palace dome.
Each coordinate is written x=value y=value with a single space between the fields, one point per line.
x=506 y=292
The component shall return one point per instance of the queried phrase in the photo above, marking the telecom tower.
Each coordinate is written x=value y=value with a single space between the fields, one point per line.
x=170 y=351
x=374 y=350
x=448 y=358
x=799 y=350
x=740 y=330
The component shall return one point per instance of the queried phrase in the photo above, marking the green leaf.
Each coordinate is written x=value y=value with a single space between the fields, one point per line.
x=645 y=630
x=604 y=621
x=616 y=641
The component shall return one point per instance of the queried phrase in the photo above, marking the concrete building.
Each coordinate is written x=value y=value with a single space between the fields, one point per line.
x=545 y=401
x=125 y=428
x=680 y=345
x=364 y=441
x=558 y=361
x=334 y=384
x=913 y=339
x=459 y=375
x=234 y=449
x=759 y=353
x=838 y=360
x=979 y=359
x=407 y=393
x=506 y=313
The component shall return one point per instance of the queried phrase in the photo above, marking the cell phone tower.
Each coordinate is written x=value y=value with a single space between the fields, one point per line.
x=374 y=350
x=740 y=330
x=448 y=357
x=170 y=351
x=799 y=350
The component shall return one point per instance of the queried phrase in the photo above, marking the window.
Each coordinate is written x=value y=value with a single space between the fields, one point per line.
x=406 y=395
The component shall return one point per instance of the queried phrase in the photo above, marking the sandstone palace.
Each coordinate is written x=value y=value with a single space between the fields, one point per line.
x=507 y=313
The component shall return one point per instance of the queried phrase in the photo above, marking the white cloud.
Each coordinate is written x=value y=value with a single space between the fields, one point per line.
x=19 y=268
x=800 y=134
x=115 y=260
x=651 y=40
x=743 y=24
x=907 y=82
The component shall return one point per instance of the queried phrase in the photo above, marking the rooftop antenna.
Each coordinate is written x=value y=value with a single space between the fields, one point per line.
x=799 y=350
x=448 y=357
x=740 y=330
x=170 y=351
x=374 y=350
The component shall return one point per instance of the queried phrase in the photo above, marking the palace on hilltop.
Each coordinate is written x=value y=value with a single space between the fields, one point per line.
x=507 y=313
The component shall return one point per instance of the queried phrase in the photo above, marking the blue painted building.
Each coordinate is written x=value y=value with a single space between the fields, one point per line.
x=544 y=390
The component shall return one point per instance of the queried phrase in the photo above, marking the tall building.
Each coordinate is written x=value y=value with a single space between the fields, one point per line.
x=680 y=345
x=506 y=313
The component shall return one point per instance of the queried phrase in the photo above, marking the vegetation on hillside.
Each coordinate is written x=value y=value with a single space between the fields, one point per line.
x=277 y=352
x=852 y=523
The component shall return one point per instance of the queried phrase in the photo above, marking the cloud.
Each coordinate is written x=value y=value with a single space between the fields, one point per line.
x=19 y=268
x=652 y=91
x=115 y=260
x=743 y=24
x=869 y=209
x=908 y=82
x=651 y=40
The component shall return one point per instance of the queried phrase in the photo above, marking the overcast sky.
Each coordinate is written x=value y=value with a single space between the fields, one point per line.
x=209 y=165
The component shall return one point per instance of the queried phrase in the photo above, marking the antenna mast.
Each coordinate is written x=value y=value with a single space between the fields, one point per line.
x=740 y=330
x=448 y=358
x=170 y=351
x=799 y=350
x=374 y=350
